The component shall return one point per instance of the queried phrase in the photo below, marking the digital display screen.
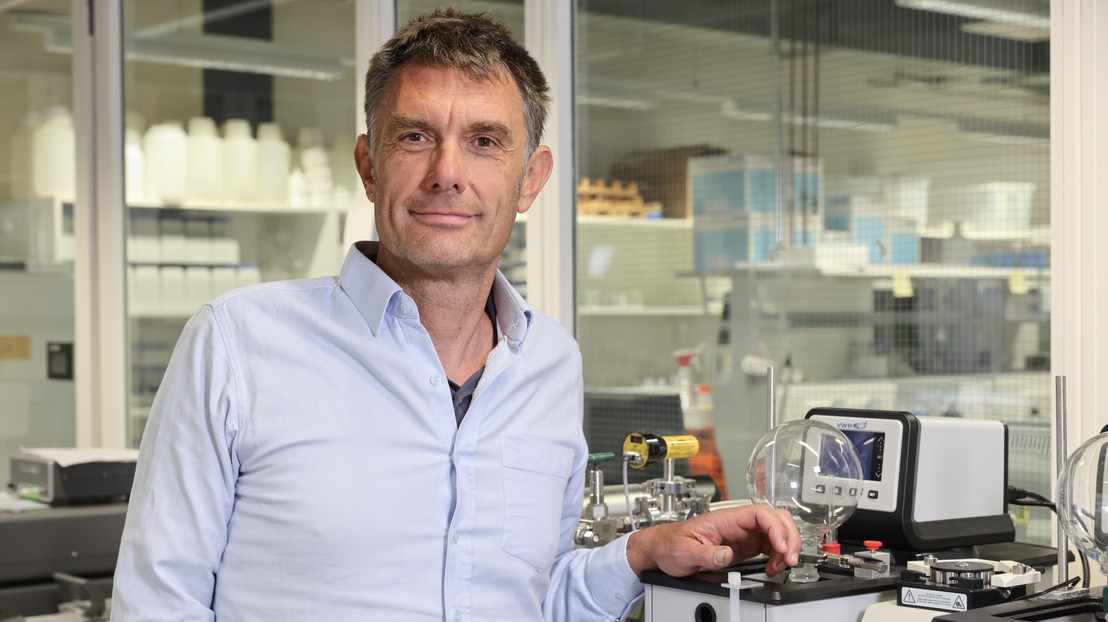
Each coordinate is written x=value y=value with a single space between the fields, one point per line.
x=871 y=451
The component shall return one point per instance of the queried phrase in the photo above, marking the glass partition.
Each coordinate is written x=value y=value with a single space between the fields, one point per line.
x=239 y=167
x=37 y=183
x=851 y=197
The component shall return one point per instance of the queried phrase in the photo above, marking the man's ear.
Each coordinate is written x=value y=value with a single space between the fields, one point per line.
x=363 y=161
x=535 y=177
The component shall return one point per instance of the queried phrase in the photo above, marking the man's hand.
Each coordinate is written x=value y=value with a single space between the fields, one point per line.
x=716 y=540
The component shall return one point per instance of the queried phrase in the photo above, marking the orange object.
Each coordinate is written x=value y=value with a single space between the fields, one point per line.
x=708 y=461
x=871 y=545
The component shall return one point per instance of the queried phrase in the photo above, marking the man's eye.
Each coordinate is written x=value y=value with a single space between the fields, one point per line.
x=485 y=141
x=413 y=137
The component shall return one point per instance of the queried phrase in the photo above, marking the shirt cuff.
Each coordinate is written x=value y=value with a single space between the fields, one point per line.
x=612 y=582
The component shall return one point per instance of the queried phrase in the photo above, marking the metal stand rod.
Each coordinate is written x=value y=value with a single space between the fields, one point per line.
x=668 y=505
x=771 y=398
x=1060 y=461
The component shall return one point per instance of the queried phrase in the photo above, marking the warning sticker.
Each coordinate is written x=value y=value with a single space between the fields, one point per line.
x=932 y=599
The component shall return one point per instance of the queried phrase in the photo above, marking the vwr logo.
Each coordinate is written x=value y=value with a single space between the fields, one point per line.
x=857 y=425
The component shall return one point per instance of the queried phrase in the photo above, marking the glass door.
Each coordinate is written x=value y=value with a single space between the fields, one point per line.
x=37 y=183
x=240 y=129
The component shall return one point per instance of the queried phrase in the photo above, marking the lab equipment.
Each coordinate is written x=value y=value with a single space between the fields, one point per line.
x=61 y=476
x=812 y=470
x=38 y=542
x=898 y=457
x=1083 y=499
x=611 y=413
x=1083 y=514
x=646 y=448
x=670 y=498
x=928 y=482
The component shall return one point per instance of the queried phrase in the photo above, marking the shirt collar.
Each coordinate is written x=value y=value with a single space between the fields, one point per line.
x=372 y=291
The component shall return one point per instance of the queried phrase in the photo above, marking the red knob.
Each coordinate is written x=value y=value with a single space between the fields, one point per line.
x=833 y=547
x=871 y=545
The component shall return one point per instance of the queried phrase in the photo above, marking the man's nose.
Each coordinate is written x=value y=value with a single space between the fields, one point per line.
x=447 y=168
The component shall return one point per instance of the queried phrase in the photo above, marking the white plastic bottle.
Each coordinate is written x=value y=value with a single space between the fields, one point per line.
x=205 y=160
x=316 y=166
x=54 y=149
x=240 y=157
x=166 y=162
x=21 y=156
x=297 y=189
x=273 y=165
x=134 y=167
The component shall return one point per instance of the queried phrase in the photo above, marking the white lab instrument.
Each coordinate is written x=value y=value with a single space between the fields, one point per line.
x=929 y=482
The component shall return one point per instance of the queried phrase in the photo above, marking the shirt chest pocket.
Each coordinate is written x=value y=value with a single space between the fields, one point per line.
x=535 y=477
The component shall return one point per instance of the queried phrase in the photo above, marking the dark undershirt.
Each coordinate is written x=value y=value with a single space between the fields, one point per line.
x=463 y=395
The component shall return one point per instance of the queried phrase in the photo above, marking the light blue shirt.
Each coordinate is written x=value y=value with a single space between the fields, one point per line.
x=302 y=462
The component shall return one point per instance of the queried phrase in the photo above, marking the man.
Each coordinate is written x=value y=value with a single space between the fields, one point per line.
x=404 y=441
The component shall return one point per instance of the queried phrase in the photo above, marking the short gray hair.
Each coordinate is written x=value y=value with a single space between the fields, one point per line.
x=476 y=44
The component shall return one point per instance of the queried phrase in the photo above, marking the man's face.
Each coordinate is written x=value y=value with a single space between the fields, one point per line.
x=446 y=172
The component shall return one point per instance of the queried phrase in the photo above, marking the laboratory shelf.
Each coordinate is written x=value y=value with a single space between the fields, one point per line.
x=656 y=223
x=233 y=207
x=168 y=313
x=641 y=311
x=875 y=271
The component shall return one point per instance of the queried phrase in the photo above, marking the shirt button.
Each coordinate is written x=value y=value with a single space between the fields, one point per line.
x=620 y=596
x=454 y=537
x=436 y=380
x=457 y=615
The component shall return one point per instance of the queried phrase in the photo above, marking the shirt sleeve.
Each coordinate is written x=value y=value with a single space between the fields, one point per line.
x=181 y=500
x=588 y=584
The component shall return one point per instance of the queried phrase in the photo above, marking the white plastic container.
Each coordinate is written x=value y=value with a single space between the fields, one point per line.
x=21 y=156
x=297 y=189
x=171 y=230
x=317 y=175
x=54 y=153
x=224 y=279
x=316 y=168
x=205 y=160
x=224 y=243
x=146 y=290
x=166 y=147
x=134 y=163
x=240 y=155
x=143 y=243
x=174 y=298
x=198 y=238
x=198 y=285
x=273 y=165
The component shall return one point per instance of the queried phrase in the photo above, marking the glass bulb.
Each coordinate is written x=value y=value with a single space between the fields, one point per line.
x=812 y=470
x=1083 y=499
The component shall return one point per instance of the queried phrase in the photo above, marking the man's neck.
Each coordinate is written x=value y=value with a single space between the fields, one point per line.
x=455 y=319
x=453 y=312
